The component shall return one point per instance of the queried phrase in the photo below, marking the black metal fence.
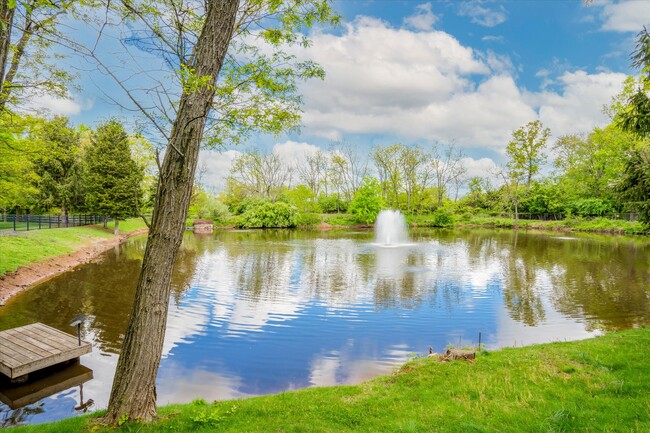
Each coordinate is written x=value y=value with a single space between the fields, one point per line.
x=37 y=222
x=627 y=216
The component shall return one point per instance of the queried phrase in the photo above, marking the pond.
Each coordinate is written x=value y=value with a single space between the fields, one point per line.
x=257 y=312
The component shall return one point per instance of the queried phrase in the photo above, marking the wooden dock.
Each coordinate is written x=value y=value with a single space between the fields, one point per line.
x=33 y=347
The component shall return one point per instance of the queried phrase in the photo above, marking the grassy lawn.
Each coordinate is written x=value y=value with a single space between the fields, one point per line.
x=129 y=225
x=596 y=385
x=24 y=248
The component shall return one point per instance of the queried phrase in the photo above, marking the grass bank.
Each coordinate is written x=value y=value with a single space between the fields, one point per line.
x=596 y=385
x=594 y=225
x=24 y=248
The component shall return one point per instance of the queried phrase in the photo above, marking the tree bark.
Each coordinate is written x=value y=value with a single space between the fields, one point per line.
x=133 y=395
x=6 y=25
x=18 y=52
x=116 y=231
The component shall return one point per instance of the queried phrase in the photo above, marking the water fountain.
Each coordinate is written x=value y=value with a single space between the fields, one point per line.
x=390 y=229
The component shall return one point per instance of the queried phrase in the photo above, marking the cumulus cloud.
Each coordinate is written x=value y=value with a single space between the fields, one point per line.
x=426 y=85
x=216 y=167
x=482 y=15
x=293 y=152
x=483 y=168
x=626 y=16
x=578 y=107
x=57 y=106
x=423 y=19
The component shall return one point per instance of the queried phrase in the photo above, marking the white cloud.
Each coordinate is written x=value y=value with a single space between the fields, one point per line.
x=482 y=15
x=483 y=167
x=490 y=38
x=578 y=107
x=217 y=166
x=428 y=86
x=626 y=16
x=57 y=106
x=293 y=152
x=423 y=19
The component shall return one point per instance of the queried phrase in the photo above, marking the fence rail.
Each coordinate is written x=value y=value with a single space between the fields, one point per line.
x=39 y=222
x=627 y=216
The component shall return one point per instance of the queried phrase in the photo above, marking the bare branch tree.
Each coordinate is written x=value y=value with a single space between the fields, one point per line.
x=447 y=163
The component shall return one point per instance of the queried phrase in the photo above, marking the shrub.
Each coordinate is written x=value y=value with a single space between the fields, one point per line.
x=308 y=219
x=241 y=207
x=367 y=201
x=302 y=197
x=332 y=203
x=267 y=215
x=442 y=218
x=591 y=207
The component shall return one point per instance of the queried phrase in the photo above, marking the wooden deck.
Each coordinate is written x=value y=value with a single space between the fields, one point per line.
x=34 y=347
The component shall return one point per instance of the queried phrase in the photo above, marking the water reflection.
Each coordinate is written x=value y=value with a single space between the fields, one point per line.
x=27 y=400
x=255 y=312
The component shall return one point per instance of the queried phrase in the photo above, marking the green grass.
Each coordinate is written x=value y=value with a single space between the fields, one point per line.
x=339 y=219
x=27 y=247
x=599 y=225
x=596 y=385
x=129 y=225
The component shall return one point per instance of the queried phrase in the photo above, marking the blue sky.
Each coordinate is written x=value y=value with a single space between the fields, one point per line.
x=419 y=72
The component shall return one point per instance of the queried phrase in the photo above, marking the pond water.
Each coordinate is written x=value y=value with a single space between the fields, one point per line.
x=256 y=312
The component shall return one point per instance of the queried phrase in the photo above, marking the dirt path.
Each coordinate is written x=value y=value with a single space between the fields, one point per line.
x=21 y=279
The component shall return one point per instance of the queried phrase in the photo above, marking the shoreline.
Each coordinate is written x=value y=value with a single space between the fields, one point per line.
x=23 y=278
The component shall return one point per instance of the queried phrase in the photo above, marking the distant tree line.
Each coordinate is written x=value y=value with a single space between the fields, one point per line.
x=587 y=176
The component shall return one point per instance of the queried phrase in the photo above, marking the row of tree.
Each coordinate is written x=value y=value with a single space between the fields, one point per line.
x=49 y=166
x=586 y=176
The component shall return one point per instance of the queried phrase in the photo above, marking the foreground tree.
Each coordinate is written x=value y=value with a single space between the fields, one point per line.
x=134 y=387
x=111 y=176
x=257 y=92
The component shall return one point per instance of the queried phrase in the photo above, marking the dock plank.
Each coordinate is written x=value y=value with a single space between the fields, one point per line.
x=27 y=342
x=17 y=353
x=56 y=335
x=33 y=353
x=10 y=354
x=34 y=338
x=33 y=347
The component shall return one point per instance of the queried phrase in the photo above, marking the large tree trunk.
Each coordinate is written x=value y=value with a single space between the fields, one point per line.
x=133 y=395
x=6 y=25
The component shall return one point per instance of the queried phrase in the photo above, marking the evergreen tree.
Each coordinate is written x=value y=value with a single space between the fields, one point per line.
x=112 y=177
x=57 y=166
x=635 y=117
